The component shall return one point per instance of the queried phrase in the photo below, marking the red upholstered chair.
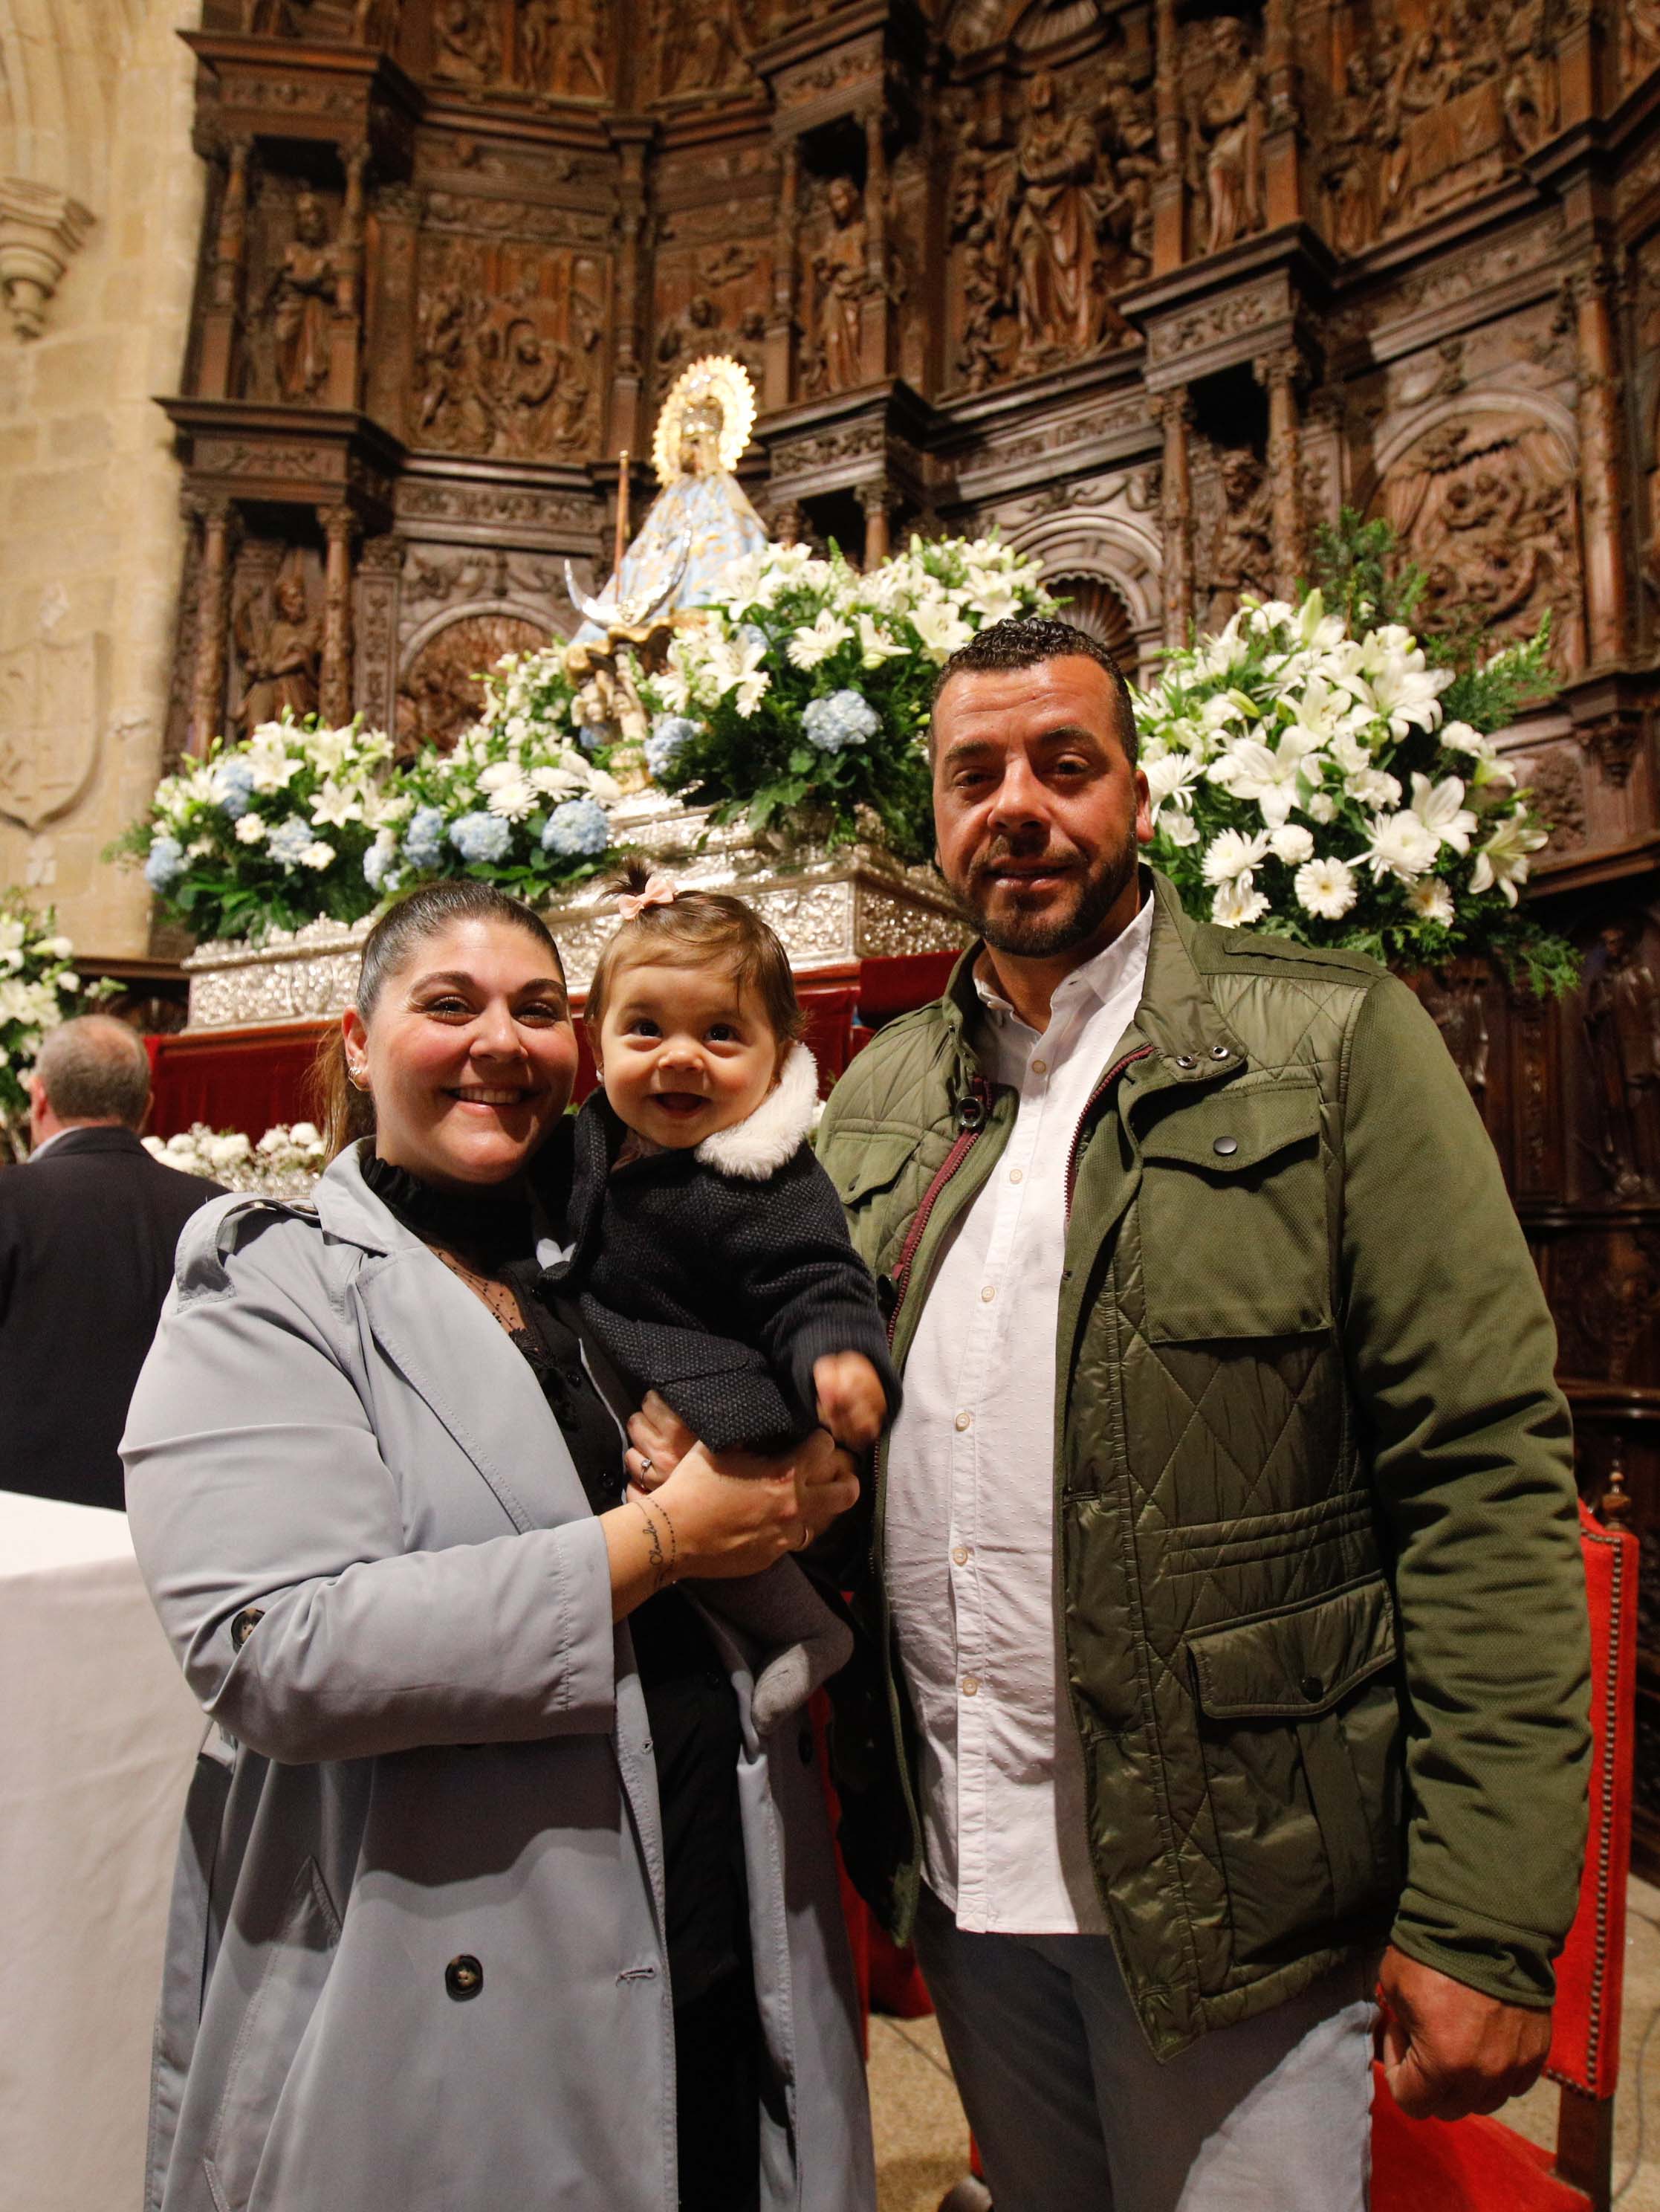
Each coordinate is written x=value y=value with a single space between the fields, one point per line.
x=1480 y=2165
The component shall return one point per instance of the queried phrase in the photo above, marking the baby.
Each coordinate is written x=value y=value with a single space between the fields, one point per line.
x=710 y=1250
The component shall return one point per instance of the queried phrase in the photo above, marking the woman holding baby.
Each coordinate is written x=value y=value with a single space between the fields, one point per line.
x=505 y=1878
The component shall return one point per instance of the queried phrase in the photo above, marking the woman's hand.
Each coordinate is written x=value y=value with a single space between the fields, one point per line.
x=827 y=1477
x=734 y=1513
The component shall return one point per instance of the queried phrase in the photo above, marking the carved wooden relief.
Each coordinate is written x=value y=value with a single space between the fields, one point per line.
x=511 y=350
x=442 y=692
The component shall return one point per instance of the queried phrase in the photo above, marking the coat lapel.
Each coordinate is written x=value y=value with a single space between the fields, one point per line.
x=455 y=1355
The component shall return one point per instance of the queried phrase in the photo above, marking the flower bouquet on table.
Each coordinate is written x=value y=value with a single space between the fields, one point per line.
x=516 y=803
x=1342 y=790
x=39 y=988
x=284 y=1162
x=803 y=695
x=269 y=832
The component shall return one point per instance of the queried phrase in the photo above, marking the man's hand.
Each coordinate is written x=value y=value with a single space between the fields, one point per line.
x=1449 y=2049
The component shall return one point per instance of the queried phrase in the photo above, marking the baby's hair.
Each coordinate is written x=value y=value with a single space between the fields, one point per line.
x=698 y=930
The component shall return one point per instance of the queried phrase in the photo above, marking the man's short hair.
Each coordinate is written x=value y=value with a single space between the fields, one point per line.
x=95 y=1069
x=1024 y=641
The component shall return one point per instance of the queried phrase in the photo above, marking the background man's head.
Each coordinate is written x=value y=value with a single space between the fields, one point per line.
x=1038 y=806
x=92 y=1071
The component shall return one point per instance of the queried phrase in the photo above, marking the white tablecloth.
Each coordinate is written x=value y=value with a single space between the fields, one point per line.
x=98 y=1736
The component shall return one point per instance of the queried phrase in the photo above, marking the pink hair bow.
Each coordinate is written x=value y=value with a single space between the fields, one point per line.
x=659 y=892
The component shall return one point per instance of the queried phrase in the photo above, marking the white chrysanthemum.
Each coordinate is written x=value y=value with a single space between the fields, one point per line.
x=1326 y=888
x=1291 y=844
x=1231 y=855
x=1177 y=828
x=1430 y=901
x=1401 y=846
x=251 y=829
x=1238 y=904
x=317 y=855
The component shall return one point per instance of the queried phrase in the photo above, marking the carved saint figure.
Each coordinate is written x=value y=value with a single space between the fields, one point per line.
x=1130 y=142
x=1053 y=238
x=1622 y=1030
x=301 y=298
x=281 y=650
x=559 y=46
x=1227 y=132
x=463 y=49
x=1350 y=168
x=841 y=280
x=698 y=49
x=1242 y=551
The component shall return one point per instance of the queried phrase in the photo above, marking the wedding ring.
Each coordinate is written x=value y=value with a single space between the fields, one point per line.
x=645 y=1464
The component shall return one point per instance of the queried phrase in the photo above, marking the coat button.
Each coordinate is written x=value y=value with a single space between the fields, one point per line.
x=1185 y=1059
x=463 y=1978
x=1221 y=1052
x=245 y=1625
x=1313 y=1689
x=1227 y=1146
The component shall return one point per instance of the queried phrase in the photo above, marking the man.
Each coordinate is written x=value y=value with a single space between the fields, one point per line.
x=87 y=1228
x=1226 y=1617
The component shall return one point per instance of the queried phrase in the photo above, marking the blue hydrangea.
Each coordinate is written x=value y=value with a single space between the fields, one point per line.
x=291 y=840
x=165 y=865
x=380 y=869
x=577 y=828
x=844 y=718
x=423 y=841
x=483 y=836
x=669 y=733
x=233 y=783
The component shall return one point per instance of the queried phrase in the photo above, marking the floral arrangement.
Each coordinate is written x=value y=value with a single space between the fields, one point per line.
x=1342 y=790
x=283 y=1163
x=272 y=831
x=515 y=803
x=39 y=988
x=804 y=694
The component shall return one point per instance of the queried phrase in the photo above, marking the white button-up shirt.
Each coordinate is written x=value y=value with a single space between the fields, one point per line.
x=970 y=1513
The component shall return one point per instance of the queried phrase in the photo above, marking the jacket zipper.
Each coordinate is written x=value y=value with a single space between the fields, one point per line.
x=1142 y=1052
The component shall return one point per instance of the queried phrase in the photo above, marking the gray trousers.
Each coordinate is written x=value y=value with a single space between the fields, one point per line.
x=1073 y=2113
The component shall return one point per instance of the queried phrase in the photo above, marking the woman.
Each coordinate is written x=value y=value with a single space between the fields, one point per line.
x=484 y=1859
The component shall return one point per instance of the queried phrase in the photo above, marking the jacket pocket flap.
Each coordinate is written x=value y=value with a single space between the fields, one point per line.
x=1293 y=1666
x=1227 y=1131
x=858 y=1166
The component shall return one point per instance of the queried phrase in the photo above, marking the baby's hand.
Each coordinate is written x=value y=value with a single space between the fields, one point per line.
x=852 y=1404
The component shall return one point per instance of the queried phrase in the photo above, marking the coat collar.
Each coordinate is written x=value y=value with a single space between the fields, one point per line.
x=759 y=1146
x=91 y=1137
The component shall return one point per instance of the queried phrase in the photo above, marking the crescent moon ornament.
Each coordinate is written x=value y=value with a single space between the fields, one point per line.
x=715 y=379
x=631 y=613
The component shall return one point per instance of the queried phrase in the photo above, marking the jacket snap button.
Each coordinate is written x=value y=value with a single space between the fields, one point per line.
x=1220 y=1052
x=1185 y=1059
x=1227 y=1146
x=245 y=1624
x=1312 y=1688
x=463 y=1978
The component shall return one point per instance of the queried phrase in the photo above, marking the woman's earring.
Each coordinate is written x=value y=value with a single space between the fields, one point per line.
x=354 y=1076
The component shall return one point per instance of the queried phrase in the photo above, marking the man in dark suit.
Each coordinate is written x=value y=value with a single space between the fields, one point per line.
x=87 y=1227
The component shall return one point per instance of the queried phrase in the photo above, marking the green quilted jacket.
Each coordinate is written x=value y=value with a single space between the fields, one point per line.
x=1318 y=1575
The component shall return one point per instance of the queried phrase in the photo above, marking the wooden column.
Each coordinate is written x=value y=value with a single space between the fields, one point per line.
x=778 y=371
x=1282 y=193
x=877 y=498
x=346 y=329
x=628 y=430
x=222 y=317
x=1169 y=189
x=217 y=517
x=335 y=680
x=1173 y=411
x=874 y=320
x=1278 y=372
x=1607 y=591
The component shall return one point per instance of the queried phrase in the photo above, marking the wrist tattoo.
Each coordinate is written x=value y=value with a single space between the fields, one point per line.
x=664 y=1565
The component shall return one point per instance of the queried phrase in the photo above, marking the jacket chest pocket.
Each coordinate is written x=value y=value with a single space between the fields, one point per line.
x=866 y=1170
x=1232 y=1219
x=1298 y=1721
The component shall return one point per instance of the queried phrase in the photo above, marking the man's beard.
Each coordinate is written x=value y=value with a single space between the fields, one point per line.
x=1095 y=893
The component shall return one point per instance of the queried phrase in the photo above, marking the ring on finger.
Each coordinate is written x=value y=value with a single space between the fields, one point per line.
x=645 y=1464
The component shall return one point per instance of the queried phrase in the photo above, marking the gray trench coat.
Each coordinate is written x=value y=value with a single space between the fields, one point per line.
x=415 y=1959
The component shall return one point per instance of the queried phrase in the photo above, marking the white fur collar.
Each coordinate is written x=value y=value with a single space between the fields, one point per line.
x=758 y=1146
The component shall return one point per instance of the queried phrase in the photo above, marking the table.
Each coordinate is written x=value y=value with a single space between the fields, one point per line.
x=98 y=1737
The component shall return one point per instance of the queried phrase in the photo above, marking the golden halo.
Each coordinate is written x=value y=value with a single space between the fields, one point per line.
x=717 y=376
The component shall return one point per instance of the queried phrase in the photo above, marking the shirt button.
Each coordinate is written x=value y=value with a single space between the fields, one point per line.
x=463 y=1978
x=970 y=1684
x=960 y=1553
x=1017 y=1175
x=1040 y=1067
x=988 y=1294
x=964 y=1421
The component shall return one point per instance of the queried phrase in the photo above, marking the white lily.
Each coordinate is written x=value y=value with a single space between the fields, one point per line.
x=939 y=627
x=1504 y=859
x=1440 y=807
x=335 y=806
x=809 y=647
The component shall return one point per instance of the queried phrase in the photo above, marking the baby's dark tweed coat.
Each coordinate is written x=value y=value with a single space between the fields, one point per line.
x=716 y=1290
